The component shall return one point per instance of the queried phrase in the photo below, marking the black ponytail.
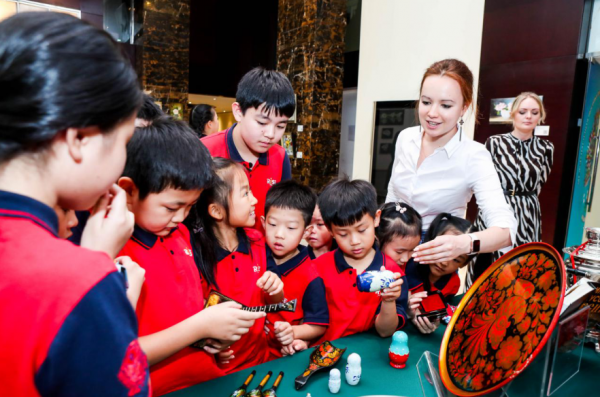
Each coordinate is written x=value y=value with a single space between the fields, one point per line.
x=58 y=72
x=398 y=219
x=202 y=226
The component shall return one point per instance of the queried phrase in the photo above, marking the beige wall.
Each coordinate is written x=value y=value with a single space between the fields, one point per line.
x=399 y=40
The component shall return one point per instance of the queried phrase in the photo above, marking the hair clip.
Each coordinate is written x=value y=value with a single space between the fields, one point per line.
x=198 y=230
x=399 y=208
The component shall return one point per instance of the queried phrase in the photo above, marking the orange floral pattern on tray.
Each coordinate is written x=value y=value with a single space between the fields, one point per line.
x=504 y=320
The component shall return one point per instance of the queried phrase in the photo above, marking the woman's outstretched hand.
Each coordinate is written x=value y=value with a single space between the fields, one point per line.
x=442 y=248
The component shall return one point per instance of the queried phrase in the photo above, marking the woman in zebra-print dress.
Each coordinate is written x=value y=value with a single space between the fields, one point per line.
x=523 y=162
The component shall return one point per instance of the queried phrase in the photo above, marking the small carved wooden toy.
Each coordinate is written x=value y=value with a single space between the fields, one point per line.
x=399 y=350
x=241 y=391
x=258 y=391
x=214 y=298
x=272 y=392
x=335 y=380
x=353 y=369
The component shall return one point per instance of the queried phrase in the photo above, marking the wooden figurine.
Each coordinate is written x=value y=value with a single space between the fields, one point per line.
x=258 y=391
x=241 y=391
x=272 y=392
x=399 y=350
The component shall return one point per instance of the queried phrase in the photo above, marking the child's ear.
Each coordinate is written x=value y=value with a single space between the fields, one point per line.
x=216 y=211
x=76 y=139
x=131 y=190
x=236 y=108
x=377 y=218
x=263 y=223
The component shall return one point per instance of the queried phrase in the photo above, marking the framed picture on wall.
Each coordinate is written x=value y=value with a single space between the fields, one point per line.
x=387 y=133
x=286 y=143
x=500 y=110
x=391 y=117
x=386 y=148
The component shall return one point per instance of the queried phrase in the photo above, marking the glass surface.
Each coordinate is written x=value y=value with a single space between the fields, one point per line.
x=117 y=19
x=568 y=349
x=431 y=383
x=7 y=9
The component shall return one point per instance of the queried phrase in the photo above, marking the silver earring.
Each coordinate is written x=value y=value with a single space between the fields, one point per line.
x=460 y=123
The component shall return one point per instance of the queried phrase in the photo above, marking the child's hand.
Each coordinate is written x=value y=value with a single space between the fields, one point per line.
x=226 y=321
x=392 y=293
x=110 y=224
x=414 y=301
x=296 y=346
x=214 y=346
x=423 y=324
x=307 y=232
x=270 y=283
x=284 y=332
x=224 y=357
x=135 y=277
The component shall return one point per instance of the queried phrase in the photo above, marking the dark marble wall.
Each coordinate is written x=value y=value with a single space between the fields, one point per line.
x=310 y=51
x=164 y=66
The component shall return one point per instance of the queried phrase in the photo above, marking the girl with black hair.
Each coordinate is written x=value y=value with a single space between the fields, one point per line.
x=68 y=101
x=204 y=120
x=399 y=231
x=440 y=276
x=232 y=257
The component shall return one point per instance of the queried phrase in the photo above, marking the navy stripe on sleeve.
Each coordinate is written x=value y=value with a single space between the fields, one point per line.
x=96 y=352
x=314 y=303
x=286 y=171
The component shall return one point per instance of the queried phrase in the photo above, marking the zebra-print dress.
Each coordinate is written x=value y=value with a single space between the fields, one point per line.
x=523 y=166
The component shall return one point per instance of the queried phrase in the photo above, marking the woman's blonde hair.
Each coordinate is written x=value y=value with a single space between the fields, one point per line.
x=522 y=96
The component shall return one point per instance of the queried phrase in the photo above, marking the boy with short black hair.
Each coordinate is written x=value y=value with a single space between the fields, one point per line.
x=167 y=168
x=349 y=209
x=264 y=102
x=288 y=209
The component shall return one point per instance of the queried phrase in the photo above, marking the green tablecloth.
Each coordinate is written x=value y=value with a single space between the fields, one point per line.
x=378 y=377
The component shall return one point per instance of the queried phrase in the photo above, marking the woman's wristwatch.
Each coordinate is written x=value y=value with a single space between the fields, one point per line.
x=475 y=244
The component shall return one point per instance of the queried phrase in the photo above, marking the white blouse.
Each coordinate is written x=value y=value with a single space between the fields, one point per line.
x=447 y=179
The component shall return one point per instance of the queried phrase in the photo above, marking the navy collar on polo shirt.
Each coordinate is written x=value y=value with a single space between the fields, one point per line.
x=242 y=247
x=285 y=268
x=234 y=154
x=143 y=237
x=341 y=264
x=18 y=206
x=443 y=281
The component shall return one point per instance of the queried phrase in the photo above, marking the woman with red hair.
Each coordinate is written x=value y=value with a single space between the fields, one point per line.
x=437 y=168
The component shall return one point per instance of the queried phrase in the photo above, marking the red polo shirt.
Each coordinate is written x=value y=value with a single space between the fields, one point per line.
x=448 y=285
x=236 y=275
x=272 y=167
x=352 y=311
x=303 y=283
x=67 y=326
x=172 y=292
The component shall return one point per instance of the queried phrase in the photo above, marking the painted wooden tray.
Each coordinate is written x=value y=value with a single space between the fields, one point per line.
x=503 y=321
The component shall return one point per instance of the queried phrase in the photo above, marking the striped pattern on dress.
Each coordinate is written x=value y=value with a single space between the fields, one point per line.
x=522 y=166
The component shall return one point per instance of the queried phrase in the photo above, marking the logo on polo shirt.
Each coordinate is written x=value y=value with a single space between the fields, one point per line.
x=188 y=252
x=256 y=268
x=271 y=181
